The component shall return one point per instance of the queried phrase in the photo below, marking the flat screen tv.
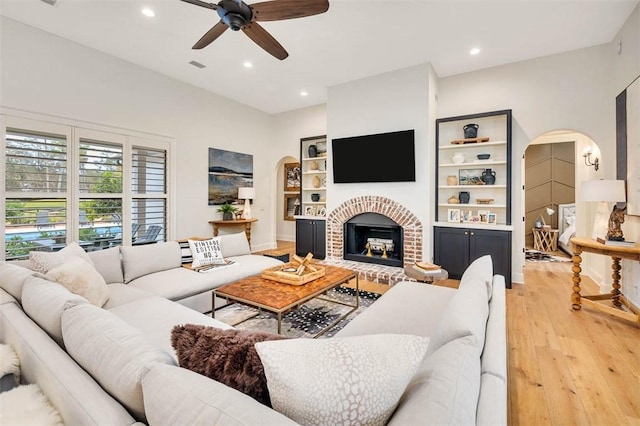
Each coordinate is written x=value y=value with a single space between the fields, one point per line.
x=384 y=157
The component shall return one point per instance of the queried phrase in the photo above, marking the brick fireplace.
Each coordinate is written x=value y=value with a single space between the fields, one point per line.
x=411 y=225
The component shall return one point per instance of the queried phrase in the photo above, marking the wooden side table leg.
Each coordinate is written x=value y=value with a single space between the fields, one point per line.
x=615 y=274
x=575 y=296
x=247 y=230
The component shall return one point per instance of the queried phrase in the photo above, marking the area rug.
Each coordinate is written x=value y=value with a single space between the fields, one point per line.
x=305 y=321
x=538 y=256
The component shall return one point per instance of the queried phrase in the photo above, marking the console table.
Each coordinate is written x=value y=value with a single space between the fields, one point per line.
x=246 y=222
x=616 y=253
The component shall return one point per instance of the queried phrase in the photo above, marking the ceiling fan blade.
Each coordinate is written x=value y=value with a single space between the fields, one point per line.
x=200 y=3
x=265 y=40
x=277 y=10
x=215 y=32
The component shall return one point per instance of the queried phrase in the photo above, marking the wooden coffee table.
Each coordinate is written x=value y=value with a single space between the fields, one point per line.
x=279 y=298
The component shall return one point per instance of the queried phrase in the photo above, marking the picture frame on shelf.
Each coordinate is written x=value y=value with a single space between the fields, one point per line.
x=453 y=215
x=474 y=219
x=470 y=177
x=292 y=177
x=465 y=215
x=484 y=216
x=290 y=206
x=309 y=211
x=322 y=211
x=492 y=218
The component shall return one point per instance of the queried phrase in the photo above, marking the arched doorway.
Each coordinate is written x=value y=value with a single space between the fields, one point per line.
x=553 y=168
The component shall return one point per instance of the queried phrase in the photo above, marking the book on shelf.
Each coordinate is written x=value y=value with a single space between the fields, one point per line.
x=617 y=243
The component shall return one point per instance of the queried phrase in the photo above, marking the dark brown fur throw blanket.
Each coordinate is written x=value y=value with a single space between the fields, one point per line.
x=228 y=356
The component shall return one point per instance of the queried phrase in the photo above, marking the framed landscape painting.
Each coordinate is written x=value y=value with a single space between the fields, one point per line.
x=228 y=171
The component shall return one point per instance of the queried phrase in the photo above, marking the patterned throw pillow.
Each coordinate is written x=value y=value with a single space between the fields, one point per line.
x=206 y=252
x=43 y=262
x=185 y=252
x=347 y=381
x=227 y=356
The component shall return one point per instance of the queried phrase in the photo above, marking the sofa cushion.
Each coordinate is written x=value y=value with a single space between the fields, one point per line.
x=493 y=389
x=121 y=294
x=45 y=301
x=138 y=261
x=481 y=268
x=179 y=283
x=234 y=244
x=74 y=393
x=27 y=405
x=228 y=356
x=81 y=278
x=350 y=380
x=185 y=252
x=13 y=278
x=156 y=316
x=44 y=261
x=107 y=263
x=197 y=400
x=116 y=354
x=383 y=315
x=445 y=390
x=465 y=314
x=206 y=252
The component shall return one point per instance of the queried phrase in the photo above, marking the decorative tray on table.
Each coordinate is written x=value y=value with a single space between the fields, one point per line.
x=297 y=272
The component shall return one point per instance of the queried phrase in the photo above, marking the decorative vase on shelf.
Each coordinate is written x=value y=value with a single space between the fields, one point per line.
x=313 y=151
x=470 y=131
x=452 y=180
x=453 y=200
x=464 y=197
x=316 y=182
x=457 y=158
x=315 y=197
x=488 y=177
x=313 y=165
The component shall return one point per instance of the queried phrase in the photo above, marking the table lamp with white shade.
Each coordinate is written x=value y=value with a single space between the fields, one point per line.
x=247 y=194
x=603 y=192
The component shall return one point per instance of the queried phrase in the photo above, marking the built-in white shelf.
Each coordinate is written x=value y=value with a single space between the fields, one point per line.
x=476 y=164
x=470 y=205
x=472 y=145
x=472 y=186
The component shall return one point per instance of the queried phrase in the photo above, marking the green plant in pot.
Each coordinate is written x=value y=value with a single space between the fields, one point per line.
x=227 y=211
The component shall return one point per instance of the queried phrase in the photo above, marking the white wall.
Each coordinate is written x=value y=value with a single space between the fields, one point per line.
x=49 y=75
x=289 y=128
x=626 y=67
x=388 y=102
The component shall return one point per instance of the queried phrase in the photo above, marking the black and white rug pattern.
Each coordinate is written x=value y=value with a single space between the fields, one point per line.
x=305 y=321
x=538 y=256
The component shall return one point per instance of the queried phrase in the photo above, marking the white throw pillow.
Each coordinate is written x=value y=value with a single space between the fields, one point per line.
x=43 y=262
x=350 y=380
x=81 y=278
x=206 y=252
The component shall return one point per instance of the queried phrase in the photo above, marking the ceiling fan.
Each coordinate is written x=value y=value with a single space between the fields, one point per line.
x=238 y=15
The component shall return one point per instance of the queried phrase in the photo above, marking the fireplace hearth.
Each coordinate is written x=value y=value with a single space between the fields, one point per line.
x=373 y=238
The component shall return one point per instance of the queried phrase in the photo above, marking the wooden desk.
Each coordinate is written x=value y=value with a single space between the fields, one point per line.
x=617 y=298
x=545 y=239
x=246 y=222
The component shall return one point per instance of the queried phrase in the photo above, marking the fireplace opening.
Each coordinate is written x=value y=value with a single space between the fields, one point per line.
x=373 y=238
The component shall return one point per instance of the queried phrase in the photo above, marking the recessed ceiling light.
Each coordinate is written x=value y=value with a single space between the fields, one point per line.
x=148 y=12
x=474 y=51
x=303 y=93
x=247 y=64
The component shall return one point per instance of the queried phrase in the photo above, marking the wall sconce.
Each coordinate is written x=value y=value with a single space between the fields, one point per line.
x=587 y=159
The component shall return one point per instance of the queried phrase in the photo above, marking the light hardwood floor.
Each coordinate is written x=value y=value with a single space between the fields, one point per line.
x=565 y=367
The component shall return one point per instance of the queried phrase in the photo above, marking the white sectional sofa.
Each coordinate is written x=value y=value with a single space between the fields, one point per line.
x=115 y=365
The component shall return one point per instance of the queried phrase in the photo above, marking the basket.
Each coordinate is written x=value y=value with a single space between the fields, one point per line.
x=277 y=274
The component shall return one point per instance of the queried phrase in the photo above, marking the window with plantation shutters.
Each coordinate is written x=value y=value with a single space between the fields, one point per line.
x=64 y=183
x=149 y=191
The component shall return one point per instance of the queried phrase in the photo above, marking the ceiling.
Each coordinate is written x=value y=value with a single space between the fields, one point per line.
x=352 y=40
